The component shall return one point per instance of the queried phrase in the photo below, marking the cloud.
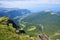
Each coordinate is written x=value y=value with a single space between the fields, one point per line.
x=23 y=4
x=27 y=4
x=17 y=0
x=54 y=1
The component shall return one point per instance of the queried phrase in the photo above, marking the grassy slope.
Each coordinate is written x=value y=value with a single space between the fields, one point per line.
x=8 y=33
x=50 y=22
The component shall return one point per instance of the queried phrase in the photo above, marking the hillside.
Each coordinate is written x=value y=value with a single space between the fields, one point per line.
x=49 y=19
x=9 y=33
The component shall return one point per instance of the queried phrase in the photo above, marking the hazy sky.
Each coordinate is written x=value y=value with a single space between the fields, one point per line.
x=31 y=4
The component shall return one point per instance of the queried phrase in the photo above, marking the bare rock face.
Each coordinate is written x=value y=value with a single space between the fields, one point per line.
x=43 y=37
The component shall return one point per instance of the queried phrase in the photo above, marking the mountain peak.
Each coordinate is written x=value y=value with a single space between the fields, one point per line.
x=47 y=10
x=53 y=13
x=50 y=12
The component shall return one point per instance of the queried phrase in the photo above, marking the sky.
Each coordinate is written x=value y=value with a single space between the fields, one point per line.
x=34 y=5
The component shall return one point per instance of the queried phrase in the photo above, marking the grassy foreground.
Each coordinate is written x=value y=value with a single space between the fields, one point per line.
x=9 y=33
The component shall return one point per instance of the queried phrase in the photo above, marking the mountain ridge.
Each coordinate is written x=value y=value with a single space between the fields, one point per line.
x=14 y=13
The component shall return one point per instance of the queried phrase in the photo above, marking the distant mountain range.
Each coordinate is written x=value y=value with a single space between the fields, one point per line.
x=14 y=13
x=43 y=16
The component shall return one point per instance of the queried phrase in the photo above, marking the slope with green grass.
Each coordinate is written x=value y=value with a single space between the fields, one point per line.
x=50 y=21
x=9 y=33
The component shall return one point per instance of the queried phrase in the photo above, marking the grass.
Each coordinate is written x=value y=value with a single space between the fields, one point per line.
x=9 y=33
